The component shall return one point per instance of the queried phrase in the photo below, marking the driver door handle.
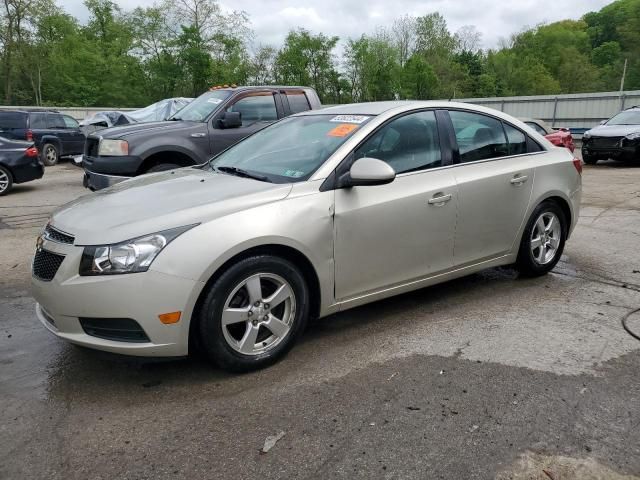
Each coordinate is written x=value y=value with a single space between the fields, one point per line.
x=439 y=199
x=198 y=135
x=518 y=180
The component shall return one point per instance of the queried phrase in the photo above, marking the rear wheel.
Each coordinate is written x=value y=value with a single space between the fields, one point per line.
x=6 y=181
x=543 y=240
x=163 y=167
x=49 y=154
x=253 y=314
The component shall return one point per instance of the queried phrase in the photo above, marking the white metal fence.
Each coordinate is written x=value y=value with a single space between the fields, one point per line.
x=577 y=111
x=79 y=113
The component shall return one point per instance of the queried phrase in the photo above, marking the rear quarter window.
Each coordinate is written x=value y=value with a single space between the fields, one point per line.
x=13 y=120
x=298 y=102
x=38 y=120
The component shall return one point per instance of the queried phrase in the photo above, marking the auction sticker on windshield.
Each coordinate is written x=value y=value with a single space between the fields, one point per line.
x=342 y=130
x=349 y=119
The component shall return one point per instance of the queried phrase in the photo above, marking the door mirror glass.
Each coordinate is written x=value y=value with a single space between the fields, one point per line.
x=230 y=120
x=370 y=171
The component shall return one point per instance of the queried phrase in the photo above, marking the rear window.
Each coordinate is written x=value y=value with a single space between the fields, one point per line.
x=298 y=102
x=13 y=120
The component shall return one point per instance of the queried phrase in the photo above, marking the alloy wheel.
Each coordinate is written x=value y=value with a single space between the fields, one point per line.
x=258 y=314
x=545 y=238
x=51 y=154
x=4 y=181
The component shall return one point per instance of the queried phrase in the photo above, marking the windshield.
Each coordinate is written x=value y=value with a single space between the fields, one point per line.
x=292 y=149
x=630 y=117
x=201 y=107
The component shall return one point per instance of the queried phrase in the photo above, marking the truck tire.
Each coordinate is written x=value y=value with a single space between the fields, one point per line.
x=162 y=167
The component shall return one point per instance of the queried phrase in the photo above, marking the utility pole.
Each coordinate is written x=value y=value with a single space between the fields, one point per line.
x=624 y=74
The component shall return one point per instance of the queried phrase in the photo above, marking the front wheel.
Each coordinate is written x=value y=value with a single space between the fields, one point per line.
x=589 y=159
x=163 y=167
x=543 y=240
x=253 y=314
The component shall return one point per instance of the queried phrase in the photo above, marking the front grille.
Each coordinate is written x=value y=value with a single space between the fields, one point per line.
x=118 y=329
x=91 y=146
x=56 y=235
x=46 y=264
x=604 y=142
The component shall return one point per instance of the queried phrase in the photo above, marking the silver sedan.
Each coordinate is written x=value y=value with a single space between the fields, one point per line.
x=318 y=213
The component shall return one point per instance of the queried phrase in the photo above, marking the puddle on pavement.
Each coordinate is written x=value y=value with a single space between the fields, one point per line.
x=532 y=466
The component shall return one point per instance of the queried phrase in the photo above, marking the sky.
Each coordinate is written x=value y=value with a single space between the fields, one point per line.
x=495 y=19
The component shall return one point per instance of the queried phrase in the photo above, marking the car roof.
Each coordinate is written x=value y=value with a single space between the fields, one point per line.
x=28 y=110
x=378 y=108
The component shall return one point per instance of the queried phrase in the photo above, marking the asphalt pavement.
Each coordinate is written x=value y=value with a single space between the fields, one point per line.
x=488 y=376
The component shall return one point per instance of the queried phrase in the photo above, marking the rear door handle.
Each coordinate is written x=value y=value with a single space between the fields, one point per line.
x=439 y=199
x=518 y=180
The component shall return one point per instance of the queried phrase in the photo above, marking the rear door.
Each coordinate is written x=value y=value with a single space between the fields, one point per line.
x=38 y=126
x=389 y=235
x=495 y=176
x=257 y=109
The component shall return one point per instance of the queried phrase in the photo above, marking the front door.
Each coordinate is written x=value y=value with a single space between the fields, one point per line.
x=257 y=110
x=392 y=234
x=494 y=186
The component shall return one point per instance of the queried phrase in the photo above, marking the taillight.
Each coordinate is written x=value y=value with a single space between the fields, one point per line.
x=578 y=164
x=29 y=136
x=31 y=152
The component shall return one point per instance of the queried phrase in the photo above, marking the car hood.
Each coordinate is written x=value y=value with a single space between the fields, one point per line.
x=155 y=202
x=613 y=130
x=124 y=131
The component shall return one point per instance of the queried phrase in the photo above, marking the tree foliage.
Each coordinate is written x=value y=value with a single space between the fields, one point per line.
x=123 y=58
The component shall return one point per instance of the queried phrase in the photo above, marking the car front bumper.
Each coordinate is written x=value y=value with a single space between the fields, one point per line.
x=97 y=181
x=631 y=152
x=66 y=299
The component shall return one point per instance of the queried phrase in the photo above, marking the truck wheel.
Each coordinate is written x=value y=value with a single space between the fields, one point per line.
x=253 y=313
x=49 y=154
x=589 y=159
x=6 y=181
x=163 y=167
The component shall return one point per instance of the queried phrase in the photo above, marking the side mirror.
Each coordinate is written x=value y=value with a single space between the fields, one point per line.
x=230 y=120
x=368 y=171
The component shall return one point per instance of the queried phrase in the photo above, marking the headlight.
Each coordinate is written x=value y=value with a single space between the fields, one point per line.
x=586 y=136
x=633 y=136
x=131 y=256
x=112 y=148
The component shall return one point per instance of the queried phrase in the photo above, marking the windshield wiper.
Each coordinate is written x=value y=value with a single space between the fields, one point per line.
x=242 y=173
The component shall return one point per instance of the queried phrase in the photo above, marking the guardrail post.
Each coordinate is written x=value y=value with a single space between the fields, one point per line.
x=555 y=110
x=623 y=98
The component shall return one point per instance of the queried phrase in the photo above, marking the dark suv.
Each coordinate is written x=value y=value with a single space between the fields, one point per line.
x=55 y=135
x=209 y=124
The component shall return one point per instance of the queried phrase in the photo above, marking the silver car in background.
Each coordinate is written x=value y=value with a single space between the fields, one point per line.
x=318 y=213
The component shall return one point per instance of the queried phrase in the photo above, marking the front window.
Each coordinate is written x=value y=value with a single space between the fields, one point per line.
x=255 y=108
x=292 y=149
x=629 y=117
x=203 y=106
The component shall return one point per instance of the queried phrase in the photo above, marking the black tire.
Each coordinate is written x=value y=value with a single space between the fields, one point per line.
x=210 y=328
x=527 y=264
x=6 y=181
x=163 y=167
x=50 y=154
x=589 y=160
